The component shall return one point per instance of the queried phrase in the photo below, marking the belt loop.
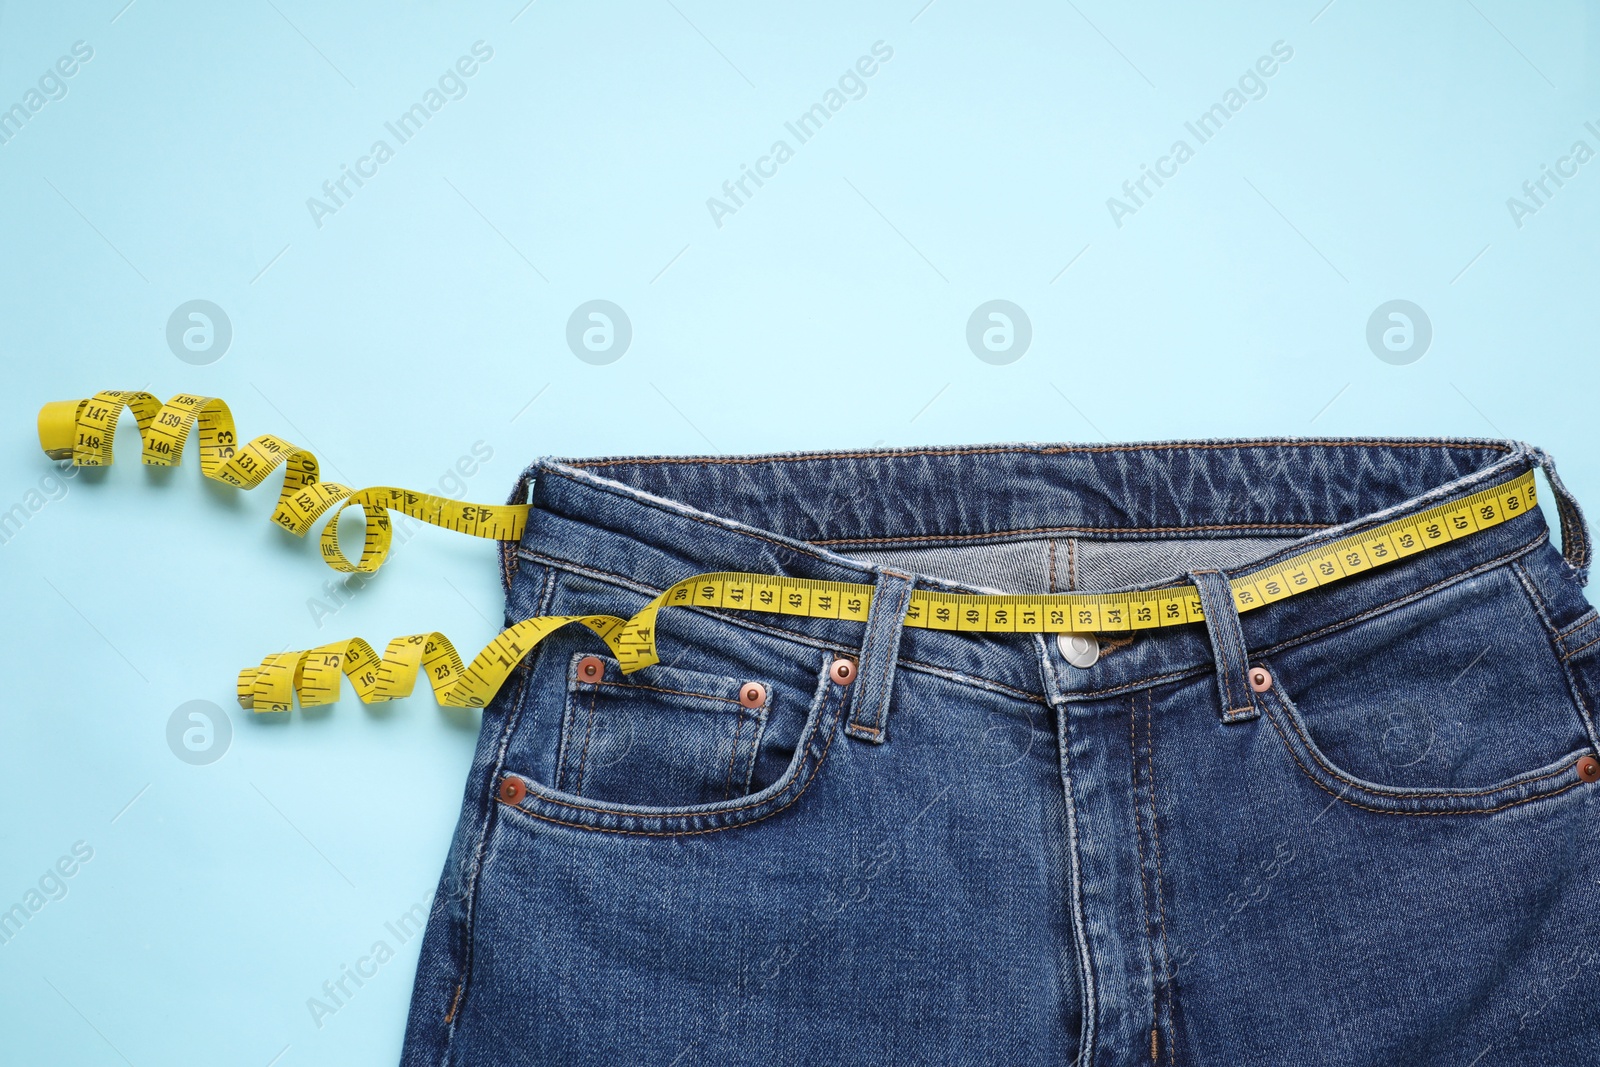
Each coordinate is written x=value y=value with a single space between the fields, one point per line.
x=1574 y=531
x=1227 y=646
x=879 y=650
x=521 y=493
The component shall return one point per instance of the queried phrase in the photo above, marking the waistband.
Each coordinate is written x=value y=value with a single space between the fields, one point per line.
x=649 y=521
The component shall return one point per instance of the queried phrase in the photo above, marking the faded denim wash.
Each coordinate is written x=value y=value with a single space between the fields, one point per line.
x=978 y=853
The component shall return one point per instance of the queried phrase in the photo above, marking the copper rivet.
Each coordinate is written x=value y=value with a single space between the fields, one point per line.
x=843 y=670
x=1589 y=768
x=512 y=790
x=1260 y=680
x=753 y=694
x=591 y=669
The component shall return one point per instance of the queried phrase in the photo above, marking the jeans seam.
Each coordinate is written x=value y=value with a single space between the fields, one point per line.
x=1541 y=607
x=1144 y=878
x=664 y=689
x=1583 y=620
x=489 y=811
x=797 y=545
x=1155 y=833
x=1208 y=528
x=1580 y=648
x=588 y=735
x=568 y=729
x=733 y=757
x=544 y=595
x=759 y=718
x=1088 y=979
x=790 y=546
x=1053 y=450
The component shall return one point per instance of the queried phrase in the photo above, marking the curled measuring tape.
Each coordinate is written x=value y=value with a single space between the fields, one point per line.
x=314 y=674
x=82 y=431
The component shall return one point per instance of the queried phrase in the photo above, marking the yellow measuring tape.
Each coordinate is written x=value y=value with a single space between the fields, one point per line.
x=314 y=674
x=82 y=431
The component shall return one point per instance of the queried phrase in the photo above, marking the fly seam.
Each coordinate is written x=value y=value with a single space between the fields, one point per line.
x=1155 y=831
x=1138 y=836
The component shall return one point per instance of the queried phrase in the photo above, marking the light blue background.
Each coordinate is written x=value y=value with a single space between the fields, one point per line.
x=429 y=312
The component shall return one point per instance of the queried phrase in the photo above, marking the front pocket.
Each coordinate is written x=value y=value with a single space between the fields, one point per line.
x=1458 y=689
x=1557 y=776
x=684 y=737
x=1452 y=701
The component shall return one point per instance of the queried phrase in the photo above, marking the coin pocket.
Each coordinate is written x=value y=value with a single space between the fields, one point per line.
x=660 y=737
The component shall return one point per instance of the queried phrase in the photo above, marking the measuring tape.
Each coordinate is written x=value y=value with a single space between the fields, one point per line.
x=314 y=674
x=83 y=430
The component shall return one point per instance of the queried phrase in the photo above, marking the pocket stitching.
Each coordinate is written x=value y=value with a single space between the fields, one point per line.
x=1399 y=811
x=1583 y=620
x=1378 y=788
x=827 y=720
x=664 y=689
x=759 y=718
x=1541 y=606
x=588 y=735
x=681 y=814
x=733 y=757
x=569 y=721
x=575 y=687
x=1279 y=705
x=1580 y=648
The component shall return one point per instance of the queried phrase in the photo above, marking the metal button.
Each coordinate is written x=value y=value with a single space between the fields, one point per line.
x=591 y=669
x=843 y=670
x=1078 y=650
x=1260 y=679
x=1589 y=768
x=752 y=694
x=512 y=790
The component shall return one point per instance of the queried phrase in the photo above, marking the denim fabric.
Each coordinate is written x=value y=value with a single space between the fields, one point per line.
x=977 y=853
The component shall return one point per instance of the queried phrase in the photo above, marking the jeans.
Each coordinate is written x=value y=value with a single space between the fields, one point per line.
x=976 y=850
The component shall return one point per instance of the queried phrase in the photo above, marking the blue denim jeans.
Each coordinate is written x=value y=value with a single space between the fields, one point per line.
x=974 y=851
